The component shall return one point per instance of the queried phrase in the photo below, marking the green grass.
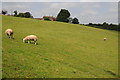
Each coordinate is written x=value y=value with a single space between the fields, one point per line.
x=63 y=51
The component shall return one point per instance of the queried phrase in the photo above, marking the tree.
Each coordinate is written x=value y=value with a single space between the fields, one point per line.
x=63 y=16
x=75 y=21
x=119 y=27
x=27 y=15
x=70 y=19
x=15 y=13
x=21 y=15
x=105 y=25
x=31 y=17
x=4 y=12
x=90 y=24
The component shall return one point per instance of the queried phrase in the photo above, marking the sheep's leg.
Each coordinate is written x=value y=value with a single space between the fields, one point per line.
x=12 y=37
x=35 y=43
x=28 y=42
x=9 y=37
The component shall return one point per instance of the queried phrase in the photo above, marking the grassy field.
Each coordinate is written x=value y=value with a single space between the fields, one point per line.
x=63 y=51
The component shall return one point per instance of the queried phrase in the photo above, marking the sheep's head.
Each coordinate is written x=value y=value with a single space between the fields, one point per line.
x=24 y=40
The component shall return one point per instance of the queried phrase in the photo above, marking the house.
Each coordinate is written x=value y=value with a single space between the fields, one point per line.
x=51 y=18
x=39 y=18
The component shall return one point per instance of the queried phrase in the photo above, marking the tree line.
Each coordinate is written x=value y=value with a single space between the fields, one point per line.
x=26 y=14
x=65 y=16
x=105 y=25
x=16 y=14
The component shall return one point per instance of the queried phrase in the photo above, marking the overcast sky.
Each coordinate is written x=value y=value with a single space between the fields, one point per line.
x=98 y=11
x=59 y=0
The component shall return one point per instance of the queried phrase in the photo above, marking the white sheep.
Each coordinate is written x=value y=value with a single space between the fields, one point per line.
x=104 y=39
x=30 y=38
x=9 y=33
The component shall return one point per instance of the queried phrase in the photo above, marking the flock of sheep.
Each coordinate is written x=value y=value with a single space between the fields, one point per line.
x=27 y=39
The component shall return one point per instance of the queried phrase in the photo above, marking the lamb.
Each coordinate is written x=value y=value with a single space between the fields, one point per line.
x=104 y=39
x=30 y=38
x=9 y=33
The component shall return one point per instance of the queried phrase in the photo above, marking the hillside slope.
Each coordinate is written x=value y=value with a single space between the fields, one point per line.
x=63 y=51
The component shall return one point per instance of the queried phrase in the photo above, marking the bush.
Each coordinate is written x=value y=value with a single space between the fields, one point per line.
x=46 y=18
x=75 y=21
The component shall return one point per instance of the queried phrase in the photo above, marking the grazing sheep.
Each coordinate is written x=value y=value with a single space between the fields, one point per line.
x=104 y=39
x=9 y=33
x=30 y=38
